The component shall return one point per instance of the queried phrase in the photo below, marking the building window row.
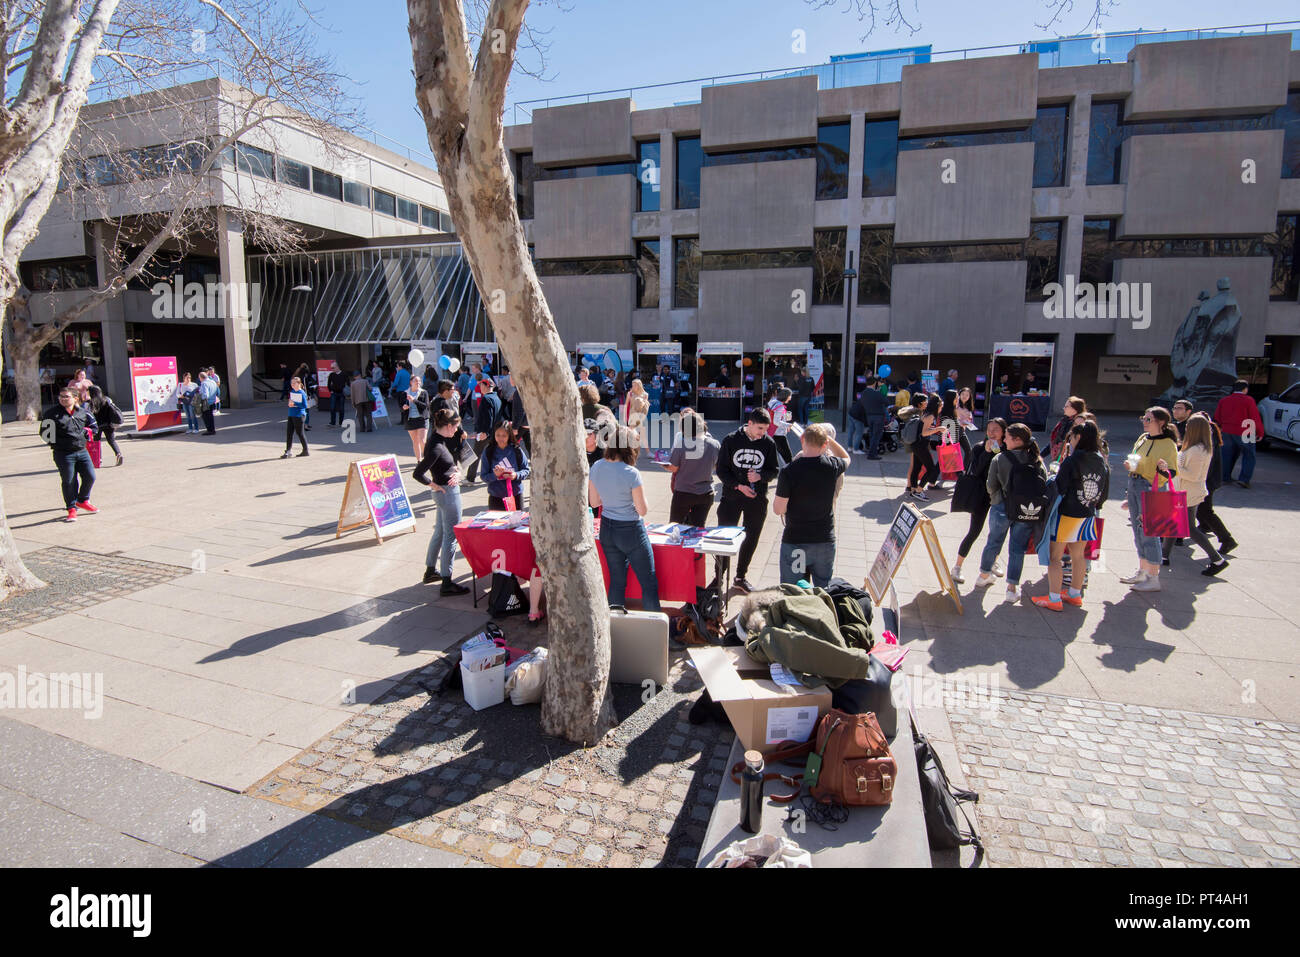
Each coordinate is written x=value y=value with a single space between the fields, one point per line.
x=1108 y=131
x=128 y=166
x=59 y=275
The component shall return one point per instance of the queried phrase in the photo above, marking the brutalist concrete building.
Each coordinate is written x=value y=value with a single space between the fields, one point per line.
x=960 y=193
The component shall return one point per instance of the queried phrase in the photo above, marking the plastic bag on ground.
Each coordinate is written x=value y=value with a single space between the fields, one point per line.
x=525 y=677
x=772 y=850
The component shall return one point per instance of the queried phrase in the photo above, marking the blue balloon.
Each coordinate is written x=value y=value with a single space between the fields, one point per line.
x=884 y=371
x=444 y=361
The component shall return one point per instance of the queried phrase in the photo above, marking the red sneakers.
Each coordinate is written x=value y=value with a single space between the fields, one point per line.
x=87 y=507
x=1071 y=600
x=72 y=515
x=1044 y=601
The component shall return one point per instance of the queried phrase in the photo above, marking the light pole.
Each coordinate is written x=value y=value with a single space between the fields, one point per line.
x=312 y=371
x=846 y=368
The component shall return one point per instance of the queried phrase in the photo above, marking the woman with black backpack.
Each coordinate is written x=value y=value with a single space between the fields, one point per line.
x=1017 y=485
x=925 y=470
x=972 y=486
x=1083 y=482
x=108 y=417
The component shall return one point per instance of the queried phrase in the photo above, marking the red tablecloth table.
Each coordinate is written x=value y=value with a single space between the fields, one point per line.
x=679 y=571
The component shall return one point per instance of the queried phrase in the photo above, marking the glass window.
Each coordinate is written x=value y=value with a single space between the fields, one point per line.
x=295 y=173
x=444 y=222
x=880 y=158
x=525 y=175
x=326 y=184
x=1050 y=133
x=358 y=194
x=428 y=217
x=689 y=160
x=647 y=274
x=385 y=202
x=408 y=210
x=829 y=247
x=686 y=272
x=1096 y=265
x=1043 y=254
x=767 y=259
x=102 y=171
x=876 y=268
x=647 y=174
x=833 y=160
x=1284 y=244
x=584 y=267
x=773 y=154
x=1288 y=118
x=1105 y=137
x=259 y=162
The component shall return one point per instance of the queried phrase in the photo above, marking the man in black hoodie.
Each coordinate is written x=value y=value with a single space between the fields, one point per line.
x=486 y=418
x=63 y=429
x=746 y=463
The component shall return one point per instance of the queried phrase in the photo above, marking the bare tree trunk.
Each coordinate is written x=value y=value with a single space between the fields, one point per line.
x=14 y=576
x=27 y=379
x=462 y=110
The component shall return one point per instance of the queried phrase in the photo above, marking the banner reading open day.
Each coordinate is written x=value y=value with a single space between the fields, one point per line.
x=153 y=387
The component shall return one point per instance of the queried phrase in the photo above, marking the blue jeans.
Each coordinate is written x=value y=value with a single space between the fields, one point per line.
x=856 y=432
x=77 y=474
x=1020 y=532
x=1148 y=549
x=1233 y=446
x=191 y=420
x=814 y=562
x=443 y=542
x=624 y=544
x=336 y=408
x=876 y=432
x=801 y=409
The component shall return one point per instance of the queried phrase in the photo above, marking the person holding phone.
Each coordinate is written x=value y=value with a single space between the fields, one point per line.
x=981 y=456
x=293 y=423
x=507 y=463
x=415 y=411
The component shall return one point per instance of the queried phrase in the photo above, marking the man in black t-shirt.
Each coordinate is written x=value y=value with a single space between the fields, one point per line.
x=746 y=463
x=805 y=496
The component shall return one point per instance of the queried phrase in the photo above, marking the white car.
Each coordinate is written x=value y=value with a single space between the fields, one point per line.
x=1281 y=415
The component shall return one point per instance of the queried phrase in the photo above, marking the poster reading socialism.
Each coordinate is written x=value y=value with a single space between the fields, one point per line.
x=376 y=494
x=153 y=388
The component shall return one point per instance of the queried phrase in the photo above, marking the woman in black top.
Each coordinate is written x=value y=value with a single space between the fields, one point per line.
x=925 y=470
x=415 y=403
x=108 y=416
x=439 y=468
x=977 y=466
x=1083 y=482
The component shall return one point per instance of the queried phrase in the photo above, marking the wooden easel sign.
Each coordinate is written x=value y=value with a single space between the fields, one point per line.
x=376 y=495
x=889 y=559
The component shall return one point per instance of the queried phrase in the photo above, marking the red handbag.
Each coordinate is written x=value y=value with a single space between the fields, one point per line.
x=93 y=448
x=950 y=458
x=1093 y=551
x=1164 y=513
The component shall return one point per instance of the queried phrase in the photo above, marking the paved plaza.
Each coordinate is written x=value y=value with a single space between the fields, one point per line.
x=242 y=646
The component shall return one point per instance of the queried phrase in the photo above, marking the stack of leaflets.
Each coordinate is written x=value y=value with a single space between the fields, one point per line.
x=723 y=534
x=484 y=519
x=481 y=653
x=669 y=533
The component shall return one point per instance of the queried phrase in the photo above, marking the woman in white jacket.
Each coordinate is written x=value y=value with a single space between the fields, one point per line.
x=1193 y=465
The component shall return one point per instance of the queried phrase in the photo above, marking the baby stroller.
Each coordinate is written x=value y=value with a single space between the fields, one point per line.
x=894 y=421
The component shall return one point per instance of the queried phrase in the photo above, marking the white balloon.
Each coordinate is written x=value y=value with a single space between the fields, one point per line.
x=415 y=357
x=453 y=364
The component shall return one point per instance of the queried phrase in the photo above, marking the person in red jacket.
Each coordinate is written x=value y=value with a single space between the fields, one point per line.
x=1238 y=418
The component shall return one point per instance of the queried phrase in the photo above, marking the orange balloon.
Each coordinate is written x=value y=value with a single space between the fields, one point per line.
x=748 y=362
x=701 y=363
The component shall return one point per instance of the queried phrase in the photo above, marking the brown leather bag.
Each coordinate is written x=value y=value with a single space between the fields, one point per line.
x=848 y=762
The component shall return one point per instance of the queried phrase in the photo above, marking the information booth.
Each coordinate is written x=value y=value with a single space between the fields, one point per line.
x=900 y=358
x=781 y=360
x=1016 y=399
x=484 y=354
x=651 y=358
x=720 y=381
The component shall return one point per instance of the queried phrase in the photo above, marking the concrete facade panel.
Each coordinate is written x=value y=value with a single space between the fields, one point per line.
x=754 y=305
x=757 y=205
x=1190 y=184
x=737 y=116
x=584 y=218
x=965 y=306
x=873 y=101
x=1174 y=286
x=583 y=133
x=990 y=199
x=1223 y=75
x=979 y=94
x=591 y=308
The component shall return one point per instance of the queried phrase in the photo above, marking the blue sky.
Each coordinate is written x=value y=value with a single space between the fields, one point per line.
x=605 y=44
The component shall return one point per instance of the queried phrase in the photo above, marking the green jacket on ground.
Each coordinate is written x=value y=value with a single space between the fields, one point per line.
x=803 y=634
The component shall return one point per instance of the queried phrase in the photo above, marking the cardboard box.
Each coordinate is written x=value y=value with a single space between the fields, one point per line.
x=762 y=712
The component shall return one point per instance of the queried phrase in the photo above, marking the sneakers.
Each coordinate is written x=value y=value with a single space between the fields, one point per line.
x=985 y=580
x=87 y=507
x=72 y=515
x=743 y=584
x=1045 y=601
x=1071 y=600
x=1012 y=595
x=1214 y=568
x=1227 y=546
x=1244 y=484
x=302 y=455
x=1136 y=578
x=449 y=587
x=999 y=570
x=919 y=495
x=120 y=459
x=956 y=574
x=431 y=576
x=287 y=455
x=1147 y=584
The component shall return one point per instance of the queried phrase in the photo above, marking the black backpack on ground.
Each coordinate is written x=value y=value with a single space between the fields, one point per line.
x=1027 y=499
x=506 y=597
x=941 y=801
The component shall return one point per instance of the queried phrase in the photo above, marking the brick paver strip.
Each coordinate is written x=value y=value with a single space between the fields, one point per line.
x=75 y=579
x=1065 y=781
x=426 y=767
